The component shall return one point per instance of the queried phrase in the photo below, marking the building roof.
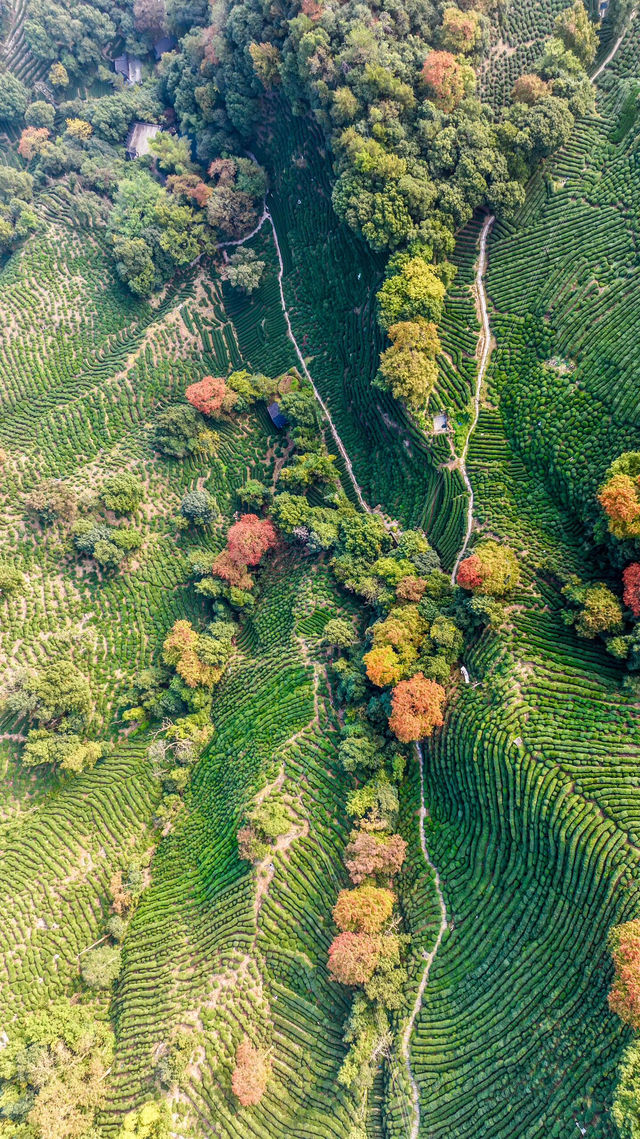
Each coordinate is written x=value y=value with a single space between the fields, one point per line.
x=277 y=418
x=129 y=66
x=139 y=137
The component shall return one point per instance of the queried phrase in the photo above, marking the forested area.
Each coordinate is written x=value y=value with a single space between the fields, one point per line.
x=222 y=655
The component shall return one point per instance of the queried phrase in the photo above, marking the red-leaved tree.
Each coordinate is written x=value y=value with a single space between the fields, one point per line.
x=210 y=394
x=368 y=855
x=416 y=708
x=250 y=1075
x=250 y=538
x=469 y=574
x=444 y=78
x=631 y=581
x=624 y=997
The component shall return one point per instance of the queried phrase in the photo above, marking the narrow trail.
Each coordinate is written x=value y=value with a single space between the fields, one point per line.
x=428 y=960
x=266 y=216
x=614 y=50
x=484 y=345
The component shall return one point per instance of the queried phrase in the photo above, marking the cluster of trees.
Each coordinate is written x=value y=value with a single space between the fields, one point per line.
x=415 y=150
x=56 y=704
x=17 y=217
x=52 y=1067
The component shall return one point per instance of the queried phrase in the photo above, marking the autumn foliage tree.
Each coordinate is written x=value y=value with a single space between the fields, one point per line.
x=353 y=957
x=619 y=496
x=250 y=1075
x=383 y=666
x=446 y=79
x=624 y=996
x=180 y=649
x=364 y=910
x=528 y=89
x=32 y=141
x=631 y=582
x=416 y=708
x=211 y=396
x=460 y=31
x=249 y=539
x=371 y=855
x=492 y=569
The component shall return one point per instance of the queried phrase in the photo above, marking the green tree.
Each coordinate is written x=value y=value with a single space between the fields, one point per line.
x=577 y=32
x=14 y=97
x=416 y=291
x=100 y=967
x=122 y=492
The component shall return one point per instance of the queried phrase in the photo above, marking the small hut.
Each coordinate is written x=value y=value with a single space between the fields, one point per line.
x=163 y=45
x=277 y=418
x=129 y=67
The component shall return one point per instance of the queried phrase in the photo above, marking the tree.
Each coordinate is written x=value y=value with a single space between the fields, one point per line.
x=59 y=691
x=624 y=996
x=122 y=492
x=353 y=957
x=267 y=62
x=11 y=579
x=491 y=569
x=408 y=368
x=363 y=910
x=254 y=494
x=577 y=33
x=416 y=291
x=151 y=1121
x=243 y=271
x=40 y=114
x=446 y=79
x=416 y=708
x=250 y=538
x=14 y=97
x=178 y=431
x=58 y=76
x=460 y=32
x=211 y=396
x=369 y=855
x=631 y=581
x=601 y=612
x=339 y=632
x=32 y=142
x=619 y=496
x=383 y=666
x=198 y=507
x=101 y=966
x=528 y=89
x=250 y=1075
x=150 y=16
x=53 y=1068
x=182 y=649
x=626 y=1105
x=238 y=184
x=64 y=750
x=79 y=129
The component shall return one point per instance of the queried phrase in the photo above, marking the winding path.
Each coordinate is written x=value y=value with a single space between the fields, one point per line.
x=484 y=346
x=428 y=959
x=614 y=50
x=266 y=216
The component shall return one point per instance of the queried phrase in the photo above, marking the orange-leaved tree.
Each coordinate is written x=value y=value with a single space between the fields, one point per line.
x=353 y=957
x=180 y=649
x=250 y=1075
x=211 y=395
x=363 y=910
x=619 y=496
x=631 y=582
x=624 y=996
x=447 y=79
x=416 y=708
